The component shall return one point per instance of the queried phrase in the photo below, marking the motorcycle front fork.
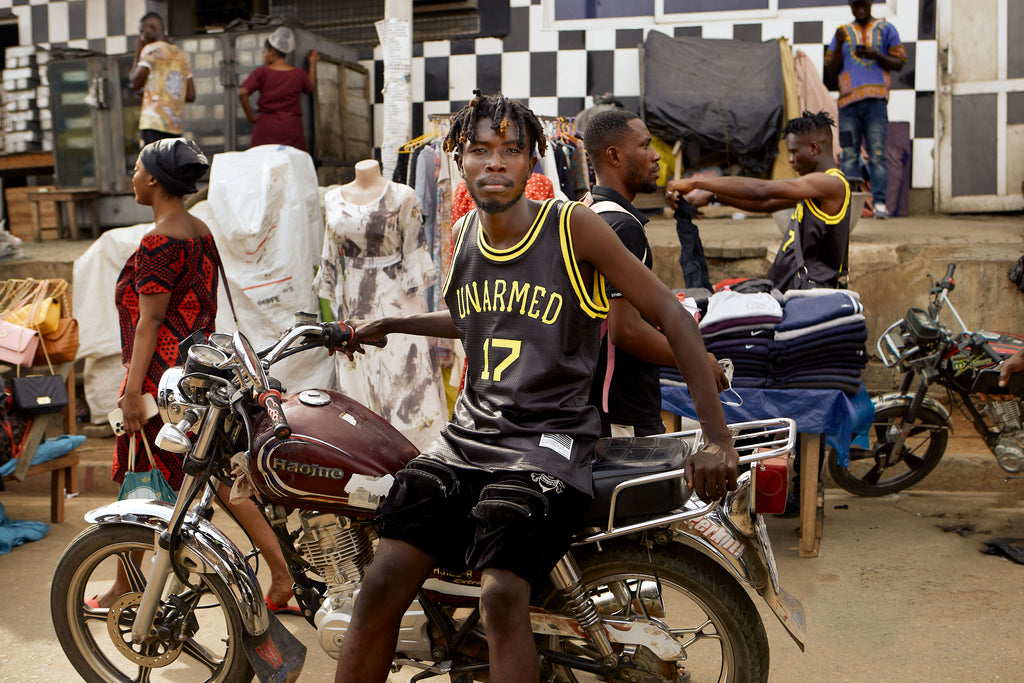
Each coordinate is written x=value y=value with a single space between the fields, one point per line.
x=566 y=578
x=898 y=433
x=156 y=581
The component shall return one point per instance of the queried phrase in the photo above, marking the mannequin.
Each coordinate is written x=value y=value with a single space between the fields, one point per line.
x=368 y=185
x=375 y=264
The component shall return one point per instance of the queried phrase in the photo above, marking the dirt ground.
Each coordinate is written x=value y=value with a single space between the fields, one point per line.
x=892 y=596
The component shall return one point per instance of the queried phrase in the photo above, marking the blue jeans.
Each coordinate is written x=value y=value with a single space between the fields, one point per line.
x=865 y=121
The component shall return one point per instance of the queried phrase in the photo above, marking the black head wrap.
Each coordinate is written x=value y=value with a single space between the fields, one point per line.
x=176 y=163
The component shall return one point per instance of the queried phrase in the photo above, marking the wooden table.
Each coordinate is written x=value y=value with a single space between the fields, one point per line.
x=68 y=198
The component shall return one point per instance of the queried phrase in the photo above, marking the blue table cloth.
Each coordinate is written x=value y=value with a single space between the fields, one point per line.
x=815 y=411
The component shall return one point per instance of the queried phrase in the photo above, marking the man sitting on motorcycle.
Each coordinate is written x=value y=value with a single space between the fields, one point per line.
x=815 y=250
x=502 y=490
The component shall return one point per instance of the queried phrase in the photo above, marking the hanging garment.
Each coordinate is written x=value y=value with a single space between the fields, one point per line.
x=375 y=264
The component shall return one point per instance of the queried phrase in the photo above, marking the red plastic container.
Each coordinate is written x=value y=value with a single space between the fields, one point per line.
x=771 y=483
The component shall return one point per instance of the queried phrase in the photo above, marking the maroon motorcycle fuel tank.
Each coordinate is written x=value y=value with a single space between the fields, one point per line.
x=340 y=457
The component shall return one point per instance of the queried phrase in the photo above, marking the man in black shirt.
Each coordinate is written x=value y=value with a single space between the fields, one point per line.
x=814 y=251
x=626 y=388
x=525 y=296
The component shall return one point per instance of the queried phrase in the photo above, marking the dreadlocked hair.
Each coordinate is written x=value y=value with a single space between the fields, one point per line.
x=502 y=112
x=809 y=123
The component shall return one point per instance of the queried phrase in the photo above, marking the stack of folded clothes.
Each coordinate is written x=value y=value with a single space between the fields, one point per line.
x=819 y=344
x=740 y=327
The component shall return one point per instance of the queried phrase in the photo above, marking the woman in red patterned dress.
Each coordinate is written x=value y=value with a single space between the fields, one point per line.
x=166 y=291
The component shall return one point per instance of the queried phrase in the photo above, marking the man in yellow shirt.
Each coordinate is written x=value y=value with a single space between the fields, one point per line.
x=161 y=75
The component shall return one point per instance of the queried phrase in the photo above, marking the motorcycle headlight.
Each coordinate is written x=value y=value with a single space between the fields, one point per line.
x=169 y=398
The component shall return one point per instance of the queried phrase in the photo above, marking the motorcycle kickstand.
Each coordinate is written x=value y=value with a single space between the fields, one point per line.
x=566 y=577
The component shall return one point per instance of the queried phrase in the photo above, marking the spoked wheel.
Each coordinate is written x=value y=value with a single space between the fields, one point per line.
x=197 y=635
x=880 y=469
x=707 y=611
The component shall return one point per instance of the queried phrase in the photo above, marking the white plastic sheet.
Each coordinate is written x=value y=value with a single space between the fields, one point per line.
x=264 y=211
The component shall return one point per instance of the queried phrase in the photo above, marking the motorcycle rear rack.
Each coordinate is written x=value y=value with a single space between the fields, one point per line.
x=754 y=441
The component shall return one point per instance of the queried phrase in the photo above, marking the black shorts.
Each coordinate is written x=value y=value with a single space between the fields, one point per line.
x=465 y=518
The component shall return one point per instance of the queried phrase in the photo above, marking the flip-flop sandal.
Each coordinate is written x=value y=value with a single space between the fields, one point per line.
x=281 y=609
x=93 y=602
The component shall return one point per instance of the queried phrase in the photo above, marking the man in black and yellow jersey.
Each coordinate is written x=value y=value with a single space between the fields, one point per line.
x=503 y=488
x=815 y=250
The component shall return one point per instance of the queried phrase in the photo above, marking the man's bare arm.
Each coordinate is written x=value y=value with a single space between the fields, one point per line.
x=628 y=331
x=753 y=194
x=597 y=244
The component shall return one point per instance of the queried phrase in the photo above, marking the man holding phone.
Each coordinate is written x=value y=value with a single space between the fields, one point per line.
x=862 y=54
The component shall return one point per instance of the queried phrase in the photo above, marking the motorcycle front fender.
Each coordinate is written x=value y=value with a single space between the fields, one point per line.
x=895 y=398
x=205 y=549
x=736 y=539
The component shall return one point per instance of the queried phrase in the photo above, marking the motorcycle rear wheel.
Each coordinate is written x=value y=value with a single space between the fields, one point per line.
x=98 y=643
x=921 y=452
x=710 y=611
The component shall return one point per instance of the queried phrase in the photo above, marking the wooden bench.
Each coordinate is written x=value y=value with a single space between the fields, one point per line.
x=67 y=198
x=63 y=470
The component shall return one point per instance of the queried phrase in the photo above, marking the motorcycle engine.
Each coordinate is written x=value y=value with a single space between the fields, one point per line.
x=339 y=551
x=1009 y=449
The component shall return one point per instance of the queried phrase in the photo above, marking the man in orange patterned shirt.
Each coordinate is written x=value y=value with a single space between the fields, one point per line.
x=161 y=75
x=862 y=54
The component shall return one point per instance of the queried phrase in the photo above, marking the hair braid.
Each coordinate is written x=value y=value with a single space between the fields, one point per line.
x=809 y=122
x=502 y=111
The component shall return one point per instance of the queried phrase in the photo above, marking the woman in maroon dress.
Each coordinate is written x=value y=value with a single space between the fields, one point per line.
x=166 y=291
x=279 y=121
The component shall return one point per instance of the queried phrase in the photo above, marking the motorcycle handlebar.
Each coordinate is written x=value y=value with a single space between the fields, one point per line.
x=271 y=402
x=947 y=282
x=338 y=334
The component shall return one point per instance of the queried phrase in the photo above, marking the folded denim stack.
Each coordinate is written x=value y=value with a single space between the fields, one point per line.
x=819 y=344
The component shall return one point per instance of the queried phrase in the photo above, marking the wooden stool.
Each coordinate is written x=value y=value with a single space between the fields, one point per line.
x=68 y=198
x=63 y=470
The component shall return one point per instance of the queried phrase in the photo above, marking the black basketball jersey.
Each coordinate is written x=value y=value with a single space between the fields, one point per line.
x=823 y=243
x=530 y=325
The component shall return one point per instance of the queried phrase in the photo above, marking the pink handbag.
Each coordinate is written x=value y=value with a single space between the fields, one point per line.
x=17 y=344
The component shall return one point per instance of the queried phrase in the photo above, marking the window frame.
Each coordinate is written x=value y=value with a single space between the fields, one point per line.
x=884 y=9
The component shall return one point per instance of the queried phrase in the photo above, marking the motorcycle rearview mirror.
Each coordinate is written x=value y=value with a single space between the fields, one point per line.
x=250 y=362
x=172 y=439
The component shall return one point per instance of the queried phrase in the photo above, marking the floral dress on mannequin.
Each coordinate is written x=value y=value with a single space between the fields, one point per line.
x=375 y=263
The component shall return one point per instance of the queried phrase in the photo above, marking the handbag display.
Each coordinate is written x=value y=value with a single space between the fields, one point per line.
x=60 y=346
x=39 y=394
x=18 y=345
x=42 y=307
x=149 y=485
x=42 y=316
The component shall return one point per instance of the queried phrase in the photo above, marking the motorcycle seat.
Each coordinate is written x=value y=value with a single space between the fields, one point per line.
x=619 y=459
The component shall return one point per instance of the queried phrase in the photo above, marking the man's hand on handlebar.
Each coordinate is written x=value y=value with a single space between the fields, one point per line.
x=366 y=334
x=1014 y=363
x=712 y=471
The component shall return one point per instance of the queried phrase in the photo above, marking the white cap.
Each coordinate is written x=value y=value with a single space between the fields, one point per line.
x=282 y=40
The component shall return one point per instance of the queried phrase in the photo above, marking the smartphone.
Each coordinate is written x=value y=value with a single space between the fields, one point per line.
x=116 y=417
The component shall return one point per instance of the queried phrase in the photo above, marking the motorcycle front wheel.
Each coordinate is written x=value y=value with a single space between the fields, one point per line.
x=197 y=635
x=879 y=470
x=705 y=608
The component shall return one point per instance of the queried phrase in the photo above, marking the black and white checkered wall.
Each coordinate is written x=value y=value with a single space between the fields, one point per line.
x=99 y=25
x=555 y=70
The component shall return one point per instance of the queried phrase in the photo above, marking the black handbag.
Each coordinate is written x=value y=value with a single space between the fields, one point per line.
x=39 y=394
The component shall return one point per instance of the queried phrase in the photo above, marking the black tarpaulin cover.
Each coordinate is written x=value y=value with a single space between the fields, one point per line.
x=725 y=94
